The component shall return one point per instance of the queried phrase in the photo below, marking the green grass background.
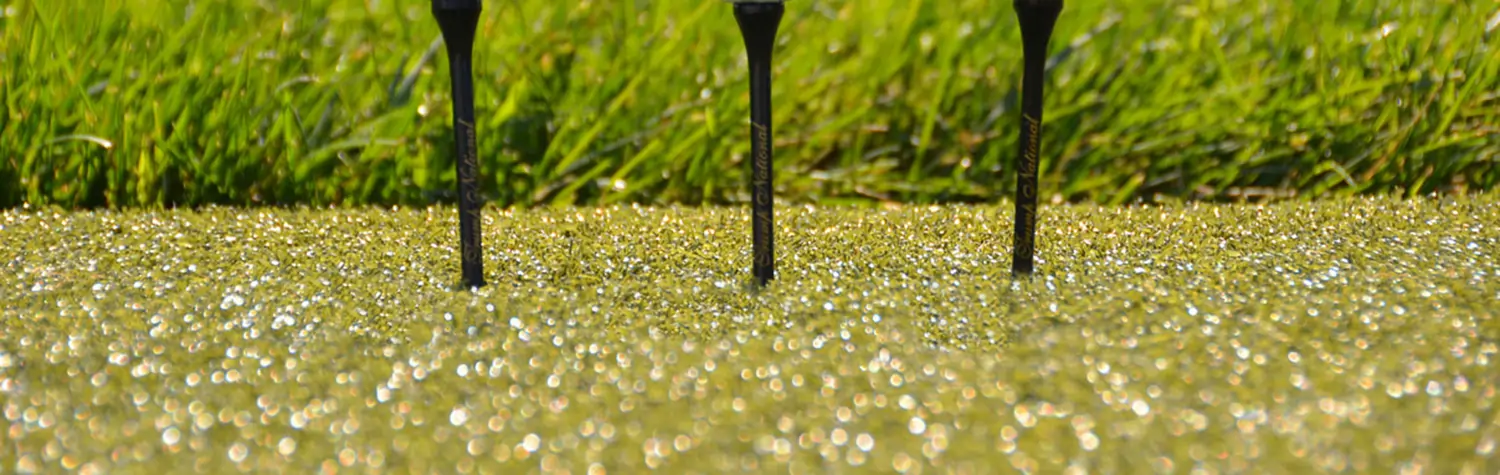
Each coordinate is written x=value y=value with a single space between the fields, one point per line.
x=123 y=103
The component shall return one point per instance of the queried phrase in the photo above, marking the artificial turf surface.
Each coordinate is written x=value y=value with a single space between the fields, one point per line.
x=1348 y=335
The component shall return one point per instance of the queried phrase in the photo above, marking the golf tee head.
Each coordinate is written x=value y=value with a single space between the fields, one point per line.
x=456 y=5
x=1039 y=10
x=458 y=20
x=758 y=21
x=758 y=7
x=1054 y=4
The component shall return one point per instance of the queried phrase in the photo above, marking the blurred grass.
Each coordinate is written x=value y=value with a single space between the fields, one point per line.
x=120 y=103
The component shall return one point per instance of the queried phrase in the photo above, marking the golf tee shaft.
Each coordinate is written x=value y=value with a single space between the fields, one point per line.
x=759 y=22
x=1026 y=172
x=761 y=179
x=466 y=147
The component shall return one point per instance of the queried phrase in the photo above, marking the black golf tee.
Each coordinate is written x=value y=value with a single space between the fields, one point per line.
x=758 y=23
x=1037 y=18
x=459 y=19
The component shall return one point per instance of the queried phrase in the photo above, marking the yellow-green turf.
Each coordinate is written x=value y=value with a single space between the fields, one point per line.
x=1349 y=335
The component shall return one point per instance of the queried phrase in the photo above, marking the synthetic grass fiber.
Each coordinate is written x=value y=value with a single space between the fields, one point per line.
x=120 y=103
x=1347 y=335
